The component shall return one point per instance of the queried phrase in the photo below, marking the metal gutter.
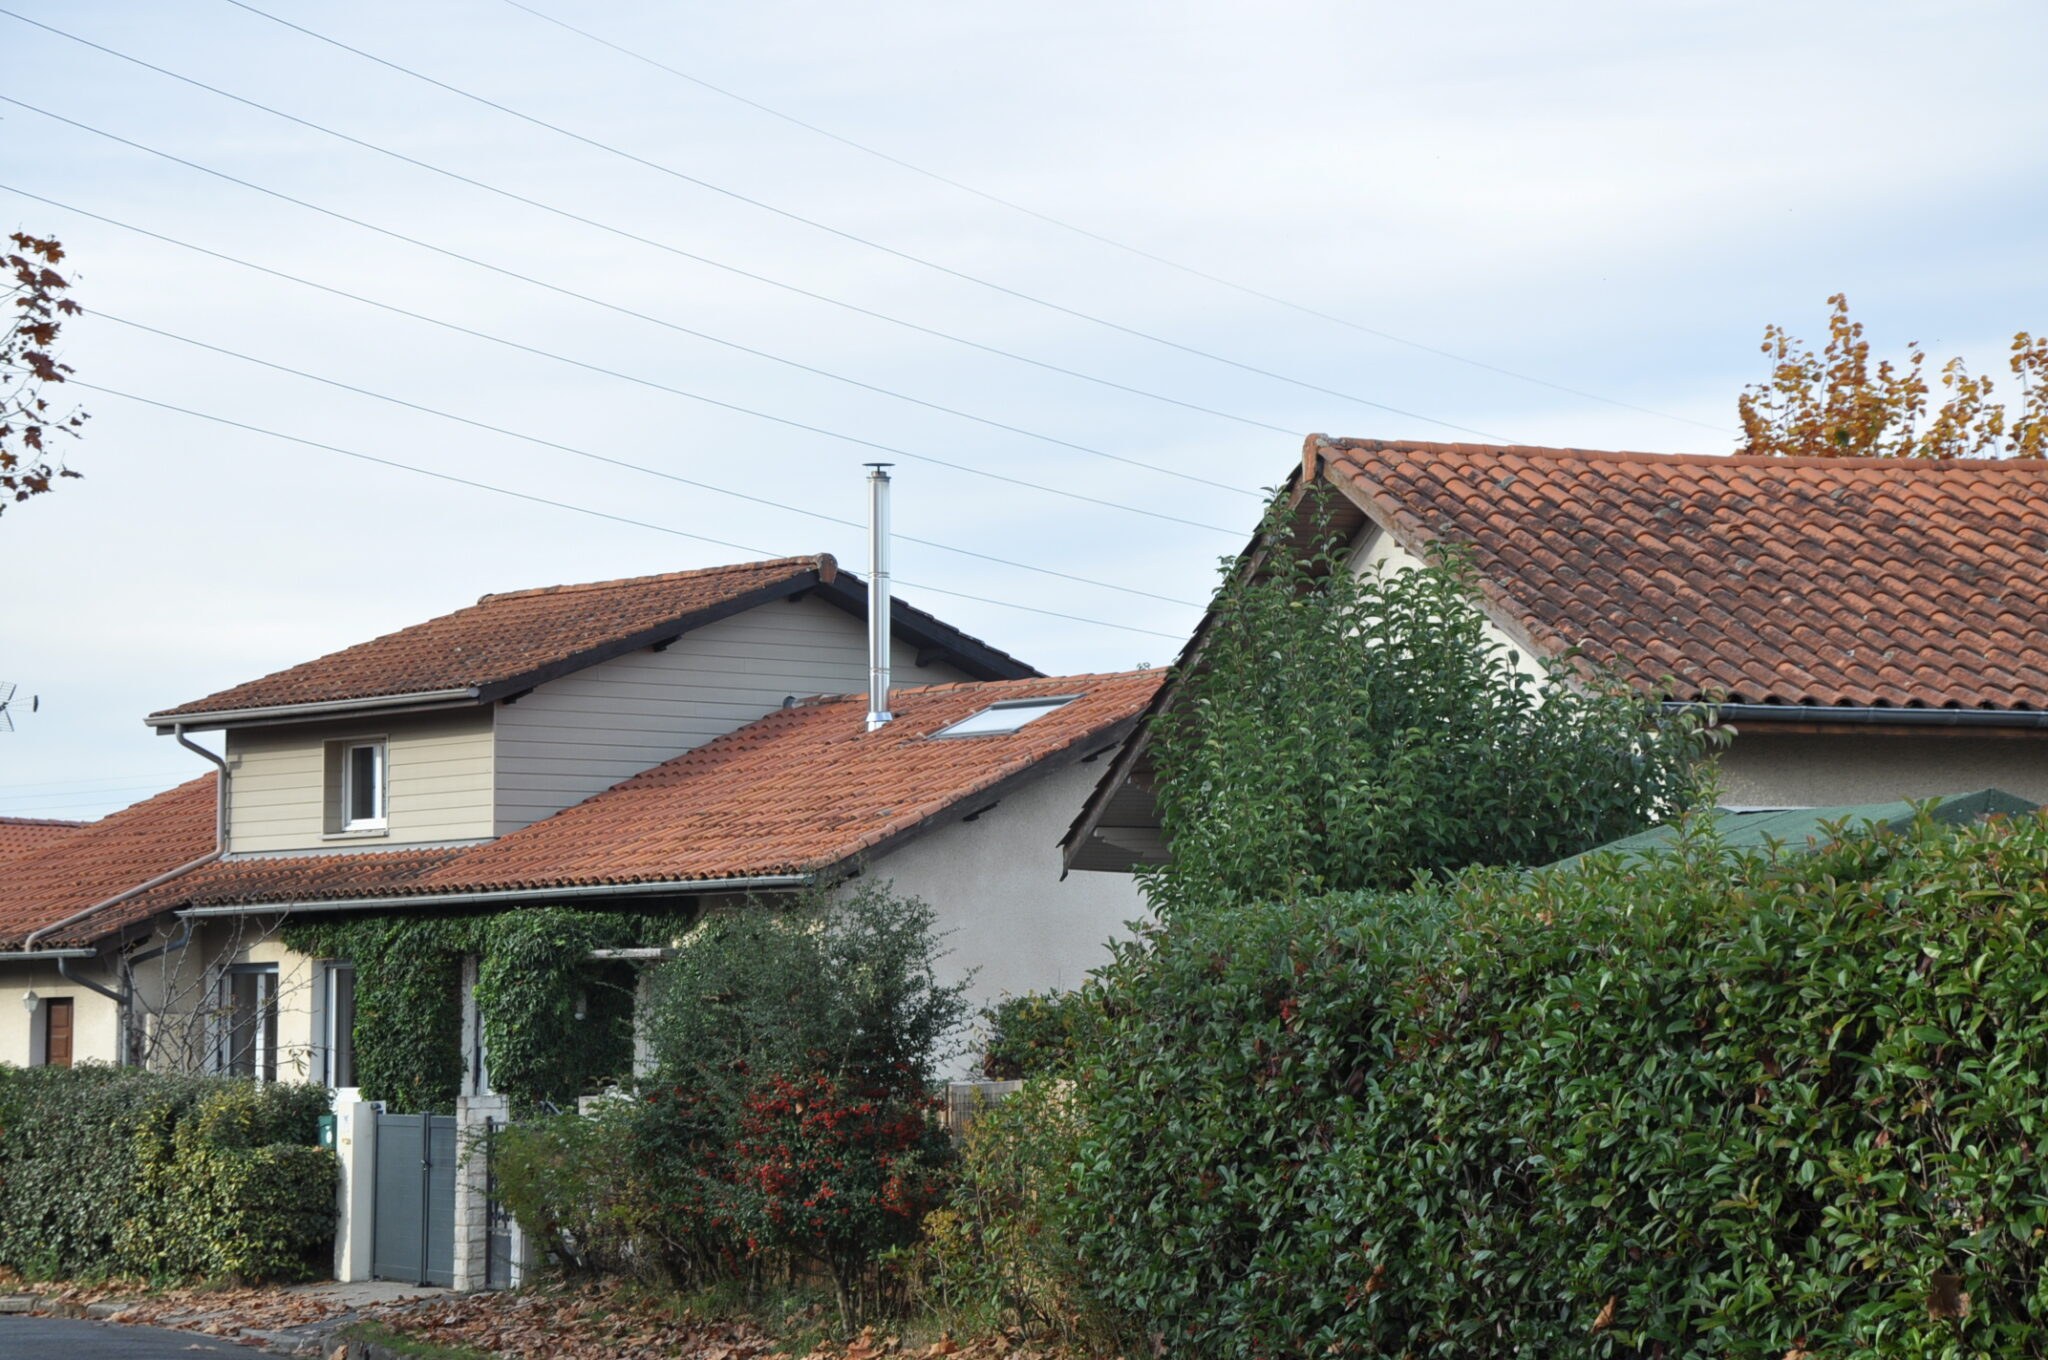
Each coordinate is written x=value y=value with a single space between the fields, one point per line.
x=686 y=886
x=39 y=955
x=121 y=999
x=173 y=718
x=1866 y=716
x=220 y=845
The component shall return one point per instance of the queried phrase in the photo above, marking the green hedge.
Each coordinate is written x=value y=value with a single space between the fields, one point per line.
x=117 y=1171
x=1701 y=1106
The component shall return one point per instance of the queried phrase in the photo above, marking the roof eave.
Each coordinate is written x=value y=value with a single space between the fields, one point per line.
x=171 y=720
x=1849 y=715
x=680 y=887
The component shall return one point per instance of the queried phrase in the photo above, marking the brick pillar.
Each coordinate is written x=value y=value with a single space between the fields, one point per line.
x=473 y=1117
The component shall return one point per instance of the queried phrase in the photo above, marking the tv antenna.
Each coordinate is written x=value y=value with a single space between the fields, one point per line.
x=35 y=701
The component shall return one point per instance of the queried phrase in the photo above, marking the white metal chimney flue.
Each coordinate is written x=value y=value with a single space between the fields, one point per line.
x=878 y=595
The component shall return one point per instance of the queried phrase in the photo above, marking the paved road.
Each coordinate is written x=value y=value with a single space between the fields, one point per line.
x=34 y=1338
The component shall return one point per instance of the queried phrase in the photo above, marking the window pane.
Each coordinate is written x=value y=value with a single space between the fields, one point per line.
x=363 y=783
x=250 y=1041
x=341 y=1022
x=999 y=719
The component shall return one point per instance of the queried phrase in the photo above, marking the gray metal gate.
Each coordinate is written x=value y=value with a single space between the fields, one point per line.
x=412 y=1237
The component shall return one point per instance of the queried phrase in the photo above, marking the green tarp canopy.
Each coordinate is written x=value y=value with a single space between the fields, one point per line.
x=1756 y=828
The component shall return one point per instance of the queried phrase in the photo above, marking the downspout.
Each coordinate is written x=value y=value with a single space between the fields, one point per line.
x=125 y=998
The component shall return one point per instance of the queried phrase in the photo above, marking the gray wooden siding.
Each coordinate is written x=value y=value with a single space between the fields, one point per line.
x=579 y=735
x=438 y=781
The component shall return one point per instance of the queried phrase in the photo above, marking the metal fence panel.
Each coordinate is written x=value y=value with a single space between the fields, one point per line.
x=440 y=1191
x=395 y=1235
x=412 y=1235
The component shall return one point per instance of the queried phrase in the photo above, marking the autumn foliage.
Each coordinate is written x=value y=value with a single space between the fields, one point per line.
x=1835 y=404
x=28 y=365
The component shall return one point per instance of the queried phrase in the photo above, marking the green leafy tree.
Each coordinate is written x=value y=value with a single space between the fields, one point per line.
x=1344 y=730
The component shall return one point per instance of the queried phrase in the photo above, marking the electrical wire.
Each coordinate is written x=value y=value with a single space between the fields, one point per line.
x=618 y=308
x=1141 y=252
x=669 y=247
x=622 y=376
x=103 y=315
x=868 y=242
x=593 y=513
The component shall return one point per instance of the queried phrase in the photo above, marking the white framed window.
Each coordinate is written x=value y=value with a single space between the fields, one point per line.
x=1001 y=719
x=248 y=998
x=362 y=786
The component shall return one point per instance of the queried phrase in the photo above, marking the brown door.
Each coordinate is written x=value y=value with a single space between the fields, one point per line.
x=57 y=1032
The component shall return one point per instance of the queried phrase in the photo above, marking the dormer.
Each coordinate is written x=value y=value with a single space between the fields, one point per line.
x=479 y=722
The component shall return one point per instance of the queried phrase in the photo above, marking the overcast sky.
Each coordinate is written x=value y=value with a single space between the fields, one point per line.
x=1558 y=224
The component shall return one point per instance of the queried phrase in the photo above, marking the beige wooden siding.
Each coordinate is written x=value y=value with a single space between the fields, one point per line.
x=437 y=781
x=579 y=735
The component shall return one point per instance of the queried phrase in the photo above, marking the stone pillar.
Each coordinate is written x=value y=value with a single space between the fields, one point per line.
x=474 y=1116
x=355 y=1147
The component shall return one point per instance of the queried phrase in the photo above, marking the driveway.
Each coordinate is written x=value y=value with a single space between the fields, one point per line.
x=39 y=1338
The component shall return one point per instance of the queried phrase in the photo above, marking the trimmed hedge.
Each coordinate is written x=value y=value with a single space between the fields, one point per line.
x=117 y=1171
x=1704 y=1105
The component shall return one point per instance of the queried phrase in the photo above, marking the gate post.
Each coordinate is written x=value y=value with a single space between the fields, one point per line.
x=355 y=1147
x=474 y=1116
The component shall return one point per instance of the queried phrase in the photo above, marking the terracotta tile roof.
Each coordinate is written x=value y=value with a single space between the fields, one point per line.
x=505 y=638
x=1864 y=582
x=803 y=789
x=303 y=878
x=95 y=862
x=20 y=835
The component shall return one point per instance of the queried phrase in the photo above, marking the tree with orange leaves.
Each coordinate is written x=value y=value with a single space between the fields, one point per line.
x=28 y=364
x=1835 y=405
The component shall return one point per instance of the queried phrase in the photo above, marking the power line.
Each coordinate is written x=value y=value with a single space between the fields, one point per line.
x=869 y=242
x=622 y=376
x=670 y=248
x=101 y=315
x=128 y=780
x=620 y=309
x=475 y=485
x=1141 y=252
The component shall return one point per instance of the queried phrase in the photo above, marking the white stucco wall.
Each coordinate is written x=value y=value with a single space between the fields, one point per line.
x=1375 y=550
x=1811 y=770
x=96 y=1031
x=995 y=885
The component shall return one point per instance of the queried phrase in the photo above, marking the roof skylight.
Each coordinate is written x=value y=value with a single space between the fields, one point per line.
x=1001 y=719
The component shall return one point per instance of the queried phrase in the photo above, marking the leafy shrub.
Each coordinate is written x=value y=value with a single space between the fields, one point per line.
x=578 y=1186
x=788 y=1114
x=117 y=1170
x=1002 y=1253
x=1701 y=1105
x=1345 y=732
x=838 y=1170
x=1036 y=1034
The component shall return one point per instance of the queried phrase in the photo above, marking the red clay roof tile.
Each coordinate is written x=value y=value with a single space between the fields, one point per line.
x=804 y=789
x=504 y=637
x=98 y=861
x=1863 y=582
x=21 y=835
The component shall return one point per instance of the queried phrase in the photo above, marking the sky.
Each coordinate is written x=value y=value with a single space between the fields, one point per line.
x=1560 y=224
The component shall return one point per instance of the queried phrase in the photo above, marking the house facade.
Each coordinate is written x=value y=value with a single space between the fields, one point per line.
x=1868 y=629
x=693 y=739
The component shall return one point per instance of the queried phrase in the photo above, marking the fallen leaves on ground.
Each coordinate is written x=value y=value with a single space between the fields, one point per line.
x=590 y=1322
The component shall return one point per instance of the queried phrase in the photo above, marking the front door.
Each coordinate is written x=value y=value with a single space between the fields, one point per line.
x=57 y=1032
